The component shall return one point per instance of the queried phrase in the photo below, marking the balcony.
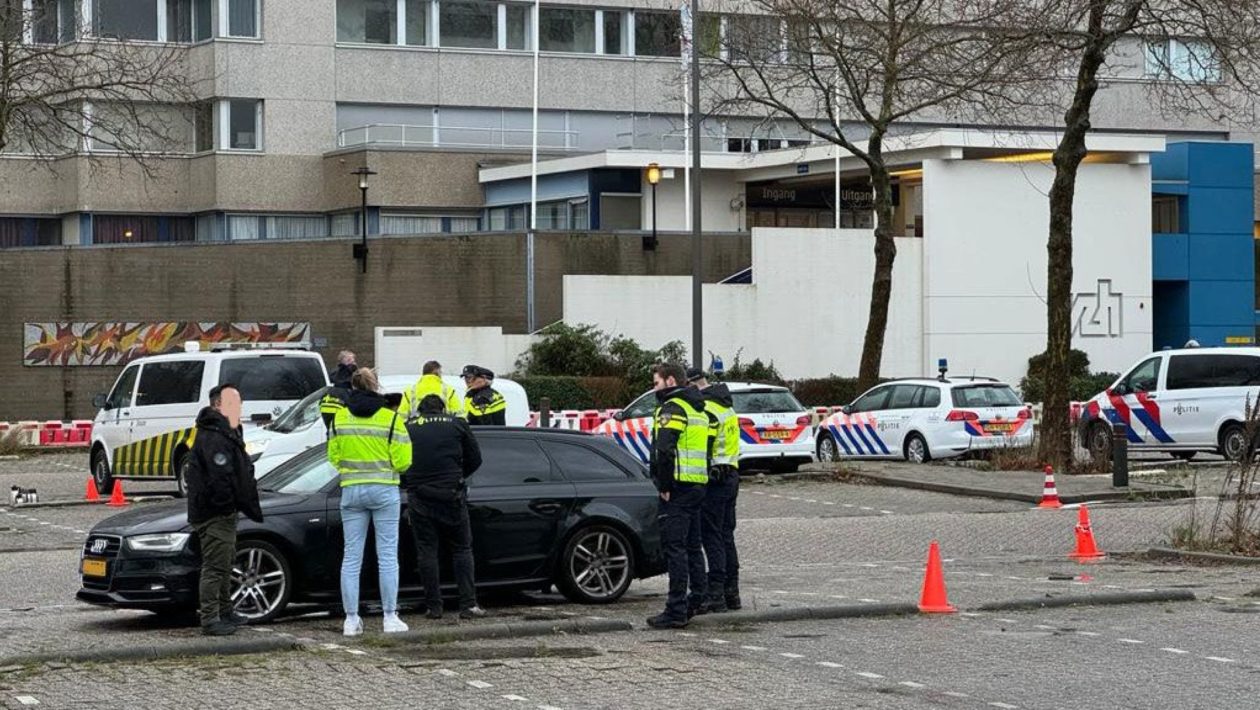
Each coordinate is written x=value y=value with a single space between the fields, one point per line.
x=400 y=136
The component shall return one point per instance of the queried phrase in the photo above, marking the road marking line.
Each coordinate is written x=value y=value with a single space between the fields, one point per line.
x=447 y=672
x=1224 y=599
x=791 y=655
x=718 y=641
x=955 y=694
x=356 y=651
x=43 y=522
x=332 y=647
x=968 y=614
x=809 y=594
x=810 y=500
x=869 y=601
x=865 y=507
x=911 y=684
x=780 y=591
x=479 y=684
x=1088 y=633
x=753 y=648
x=1133 y=641
x=1044 y=626
x=886 y=512
x=828 y=664
x=1004 y=706
x=838 y=596
x=775 y=495
x=685 y=633
x=869 y=564
x=827 y=502
x=1173 y=650
x=548 y=707
x=866 y=674
x=516 y=698
x=983 y=574
x=1219 y=659
x=1008 y=621
x=1017 y=579
x=899 y=568
x=26 y=700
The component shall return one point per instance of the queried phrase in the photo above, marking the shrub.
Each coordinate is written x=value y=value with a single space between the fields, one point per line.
x=585 y=351
x=1082 y=384
x=826 y=391
x=576 y=392
x=755 y=371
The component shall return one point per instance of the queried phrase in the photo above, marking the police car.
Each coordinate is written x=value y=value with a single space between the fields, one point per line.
x=302 y=426
x=145 y=425
x=924 y=419
x=1178 y=401
x=775 y=429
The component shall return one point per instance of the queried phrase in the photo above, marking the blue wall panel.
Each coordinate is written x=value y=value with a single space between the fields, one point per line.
x=1170 y=257
x=1225 y=257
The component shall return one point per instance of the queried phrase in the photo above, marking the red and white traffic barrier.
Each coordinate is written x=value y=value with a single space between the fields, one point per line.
x=51 y=434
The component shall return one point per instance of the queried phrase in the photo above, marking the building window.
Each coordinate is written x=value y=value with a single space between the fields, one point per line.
x=203 y=127
x=296 y=227
x=367 y=21
x=44 y=21
x=517 y=35
x=417 y=30
x=240 y=122
x=141 y=229
x=751 y=38
x=469 y=24
x=566 y=30
x=1166 y=214
x=401 y=224
x=1182 y=61
x=125 y=19
x=29 y=232
x=207 y=228
x=242 y=18
x=506 y=219
x=615 y=30
x=244 y=227
x=345 y=224
x=656 y=34
x=465 y=225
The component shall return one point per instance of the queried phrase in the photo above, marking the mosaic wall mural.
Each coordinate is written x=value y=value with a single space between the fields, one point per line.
x=101 y=343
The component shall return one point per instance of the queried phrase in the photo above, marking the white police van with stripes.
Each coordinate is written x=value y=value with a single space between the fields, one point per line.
x=924 y=419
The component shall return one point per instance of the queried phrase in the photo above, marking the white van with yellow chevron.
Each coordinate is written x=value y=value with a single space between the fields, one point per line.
x=144 y=426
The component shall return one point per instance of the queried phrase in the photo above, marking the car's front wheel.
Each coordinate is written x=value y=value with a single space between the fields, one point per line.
x=181 y=485
x=262 y=580
x=828 y=451
x=917 y=449
x=101 y=473
x=1098 y=442
x=597 y=566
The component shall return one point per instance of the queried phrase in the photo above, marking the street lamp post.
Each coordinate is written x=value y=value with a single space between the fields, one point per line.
x=653 y=178
x=361 y=249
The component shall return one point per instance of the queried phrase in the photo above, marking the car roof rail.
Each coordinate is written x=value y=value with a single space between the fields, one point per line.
x=228 y=347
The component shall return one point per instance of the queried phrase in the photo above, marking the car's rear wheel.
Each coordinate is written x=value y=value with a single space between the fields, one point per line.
x=101 y=474
x=597 y=566
x=1233 y=442
x=828 y=451
x=262 y=580
x=181 y=485
x=1098 y=441
x=917 y=449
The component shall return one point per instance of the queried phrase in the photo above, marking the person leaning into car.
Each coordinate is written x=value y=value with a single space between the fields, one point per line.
x=444 y=454
x=369 y=446
x=680 y=469
x=220 y=483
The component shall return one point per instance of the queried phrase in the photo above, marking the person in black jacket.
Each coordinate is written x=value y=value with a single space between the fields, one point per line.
x=219 y=478
x=483 y=404
x=444 y=454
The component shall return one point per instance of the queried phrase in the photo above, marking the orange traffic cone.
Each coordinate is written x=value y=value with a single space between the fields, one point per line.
x=91 y=495
x=1086 y=548
x=116 y=499
x=933 y=600
x=1050 y=494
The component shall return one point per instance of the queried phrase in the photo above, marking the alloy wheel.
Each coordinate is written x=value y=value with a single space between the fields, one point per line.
x=827 y=449
x=916 y=450
x=599 y=564
x=259 y=582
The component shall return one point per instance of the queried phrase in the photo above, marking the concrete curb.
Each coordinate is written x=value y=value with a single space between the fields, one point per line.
x=186 y=649
x=1106 y=599
x=804 y=613
x=102 y=502
x=517 y=630
x=1169 y=553
x=1168 y=493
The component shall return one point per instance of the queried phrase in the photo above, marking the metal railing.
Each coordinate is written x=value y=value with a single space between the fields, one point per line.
x=443 y=136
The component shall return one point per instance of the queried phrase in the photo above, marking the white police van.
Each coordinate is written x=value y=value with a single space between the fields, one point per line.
x=1178 y=401
x=145 y=425
x=924 y=419
x=301 y=426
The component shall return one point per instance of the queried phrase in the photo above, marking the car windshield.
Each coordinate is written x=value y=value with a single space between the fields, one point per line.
x=307 y=473
x=300 y=415
x=986 y=396
x=766 y=401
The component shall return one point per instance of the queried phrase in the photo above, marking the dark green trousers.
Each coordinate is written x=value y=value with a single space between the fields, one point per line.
x=218 y=549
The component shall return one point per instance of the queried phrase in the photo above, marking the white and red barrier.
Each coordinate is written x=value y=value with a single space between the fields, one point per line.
x=49 y=434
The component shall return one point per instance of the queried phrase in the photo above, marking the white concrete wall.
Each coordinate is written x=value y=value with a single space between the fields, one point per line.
x=720 y=188
x=986 y=226
x=403 y=350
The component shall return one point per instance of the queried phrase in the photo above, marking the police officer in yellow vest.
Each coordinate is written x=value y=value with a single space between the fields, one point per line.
x=430 y=382
x=680 y=469
x=370 y=448
x=717 y=517
x=334 y=399
x=483 y=405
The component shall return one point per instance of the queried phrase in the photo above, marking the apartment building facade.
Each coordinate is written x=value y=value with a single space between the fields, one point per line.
x=297 y=94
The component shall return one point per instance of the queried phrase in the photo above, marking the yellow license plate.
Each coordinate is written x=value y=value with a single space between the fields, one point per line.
x=93 y=568
x=777 y=434
x=1000 y=427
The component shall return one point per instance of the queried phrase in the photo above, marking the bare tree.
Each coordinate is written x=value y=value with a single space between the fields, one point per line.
x=1200 y=57
x=59 y=91
x=854 y=72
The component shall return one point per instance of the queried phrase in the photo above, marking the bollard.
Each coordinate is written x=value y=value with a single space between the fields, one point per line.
x=544 y=413
x=1119 y=455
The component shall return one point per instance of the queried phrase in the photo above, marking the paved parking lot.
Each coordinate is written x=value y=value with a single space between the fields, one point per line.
x=803 y=543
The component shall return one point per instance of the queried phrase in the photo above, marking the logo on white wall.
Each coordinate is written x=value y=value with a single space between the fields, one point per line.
x=1098 y=313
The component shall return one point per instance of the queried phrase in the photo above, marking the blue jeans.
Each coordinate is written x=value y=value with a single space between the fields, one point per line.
x=379 y=503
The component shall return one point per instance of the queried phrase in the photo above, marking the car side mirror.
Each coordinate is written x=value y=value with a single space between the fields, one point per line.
x=100 y=401
x=260 y=418
x=847 y=409
x=620 y=416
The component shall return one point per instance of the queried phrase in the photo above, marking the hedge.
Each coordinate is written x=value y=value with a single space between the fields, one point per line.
x=577 y=392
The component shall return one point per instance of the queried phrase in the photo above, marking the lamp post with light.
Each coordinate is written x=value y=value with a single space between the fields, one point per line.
x=361 y=249
x=653 y=178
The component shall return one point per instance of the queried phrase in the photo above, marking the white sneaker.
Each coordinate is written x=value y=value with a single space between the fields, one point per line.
x=394 y=625
x=353 y=626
